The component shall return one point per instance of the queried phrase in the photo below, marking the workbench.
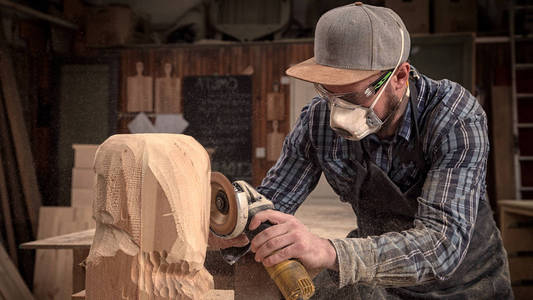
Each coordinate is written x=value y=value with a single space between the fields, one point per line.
x=516 y=223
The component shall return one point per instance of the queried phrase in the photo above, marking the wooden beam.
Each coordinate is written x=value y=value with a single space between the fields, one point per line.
x=30 y=187
x=35 y=13
x=75 y=240
x=6 y=214
x=11 y=284
x=502 y=142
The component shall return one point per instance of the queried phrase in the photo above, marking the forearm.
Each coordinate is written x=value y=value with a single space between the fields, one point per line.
x=388 y=260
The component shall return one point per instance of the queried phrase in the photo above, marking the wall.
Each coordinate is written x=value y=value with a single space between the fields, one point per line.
x=268 y=60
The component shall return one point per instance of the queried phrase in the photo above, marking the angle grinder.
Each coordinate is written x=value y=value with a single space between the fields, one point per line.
x=232 y=208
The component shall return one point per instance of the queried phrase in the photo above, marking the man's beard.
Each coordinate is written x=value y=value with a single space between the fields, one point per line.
x=392 y=109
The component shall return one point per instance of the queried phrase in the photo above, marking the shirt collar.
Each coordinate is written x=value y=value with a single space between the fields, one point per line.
x=405 y=128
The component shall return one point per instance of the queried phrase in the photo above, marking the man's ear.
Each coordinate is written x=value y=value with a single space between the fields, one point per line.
x=401 y=76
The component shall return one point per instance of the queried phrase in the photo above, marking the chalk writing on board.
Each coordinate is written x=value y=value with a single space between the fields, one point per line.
x=219 y=110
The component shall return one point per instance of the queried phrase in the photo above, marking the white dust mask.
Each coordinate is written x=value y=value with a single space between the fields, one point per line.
x=354 y=122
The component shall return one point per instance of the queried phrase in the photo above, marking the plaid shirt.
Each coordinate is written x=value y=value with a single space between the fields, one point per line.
x=453 y=131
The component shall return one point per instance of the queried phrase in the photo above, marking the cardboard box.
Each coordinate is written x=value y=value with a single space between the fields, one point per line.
x=82 y=197
x=414 y=14
x=109 y=26
x=84 y=155
x=455 y=16
x=83 y=178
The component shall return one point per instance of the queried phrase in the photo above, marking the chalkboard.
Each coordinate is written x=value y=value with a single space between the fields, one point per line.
x=219 y=110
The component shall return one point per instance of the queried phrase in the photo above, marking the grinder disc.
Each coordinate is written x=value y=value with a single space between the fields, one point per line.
x=223 y=218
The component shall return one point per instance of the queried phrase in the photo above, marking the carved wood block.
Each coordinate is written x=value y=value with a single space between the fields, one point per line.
x=152 y=219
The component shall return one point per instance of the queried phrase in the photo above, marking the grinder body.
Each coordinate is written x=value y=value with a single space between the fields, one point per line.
x=290 y=276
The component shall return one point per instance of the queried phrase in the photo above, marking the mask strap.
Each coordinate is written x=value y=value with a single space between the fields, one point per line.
x=395 y=68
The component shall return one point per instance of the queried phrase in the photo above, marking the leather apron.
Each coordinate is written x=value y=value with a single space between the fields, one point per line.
x=382 y=207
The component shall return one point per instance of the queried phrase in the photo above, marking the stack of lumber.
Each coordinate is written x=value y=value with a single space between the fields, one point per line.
x=83 y=176
x=53 y=267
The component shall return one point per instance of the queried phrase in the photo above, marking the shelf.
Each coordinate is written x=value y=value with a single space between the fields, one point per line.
x=524 y=95
x=523 y=37
x=525 y=158
x=525 y=125
x=523 y=7
x=126 y=115
x=492 y=39
x=524 y=66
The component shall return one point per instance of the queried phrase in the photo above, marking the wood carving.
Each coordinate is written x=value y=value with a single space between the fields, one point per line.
x=139 y=91
x=274 y=142
x=168 y=93
x=152 y=219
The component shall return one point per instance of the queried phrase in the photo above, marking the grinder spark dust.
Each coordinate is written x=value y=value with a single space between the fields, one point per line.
x=232 y=208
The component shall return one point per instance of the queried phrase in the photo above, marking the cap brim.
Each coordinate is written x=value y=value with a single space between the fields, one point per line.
x=310 y=71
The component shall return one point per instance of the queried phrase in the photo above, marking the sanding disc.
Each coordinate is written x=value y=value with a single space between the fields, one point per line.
x=224 y=212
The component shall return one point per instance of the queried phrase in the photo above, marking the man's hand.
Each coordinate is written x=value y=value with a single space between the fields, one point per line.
x=220 y=243
x=289 y=238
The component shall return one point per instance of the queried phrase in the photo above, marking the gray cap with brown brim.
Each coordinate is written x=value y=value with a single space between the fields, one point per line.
x=352 y=43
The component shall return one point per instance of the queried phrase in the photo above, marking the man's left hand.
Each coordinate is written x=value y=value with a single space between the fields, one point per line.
x=289 y=238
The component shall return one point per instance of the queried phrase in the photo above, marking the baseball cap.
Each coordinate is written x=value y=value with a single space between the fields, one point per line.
x=352 y=43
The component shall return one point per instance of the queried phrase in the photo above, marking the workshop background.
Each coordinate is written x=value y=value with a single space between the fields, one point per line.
x=74 y=72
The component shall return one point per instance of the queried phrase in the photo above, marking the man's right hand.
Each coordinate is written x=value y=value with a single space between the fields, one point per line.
x=220 y=243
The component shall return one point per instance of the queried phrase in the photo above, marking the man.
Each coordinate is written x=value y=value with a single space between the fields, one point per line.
x=407 y=152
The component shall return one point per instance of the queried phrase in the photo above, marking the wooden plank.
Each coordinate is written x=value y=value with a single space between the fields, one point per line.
x=6 y=214
x=53 y=267
x=521 y=267
x=76 y=240
x=11 y=284
x=21 y=225
x=30 y=187
x=79 y=295
x=80 y=197
x=521 y=207
x=502 y=142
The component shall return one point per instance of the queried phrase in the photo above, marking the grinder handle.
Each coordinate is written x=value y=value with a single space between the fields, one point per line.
x=290 y=276
x=232 y=254
x=251 y=234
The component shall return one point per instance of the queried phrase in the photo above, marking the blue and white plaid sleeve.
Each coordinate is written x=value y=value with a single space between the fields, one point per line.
x=296 y=172
x=447 y=207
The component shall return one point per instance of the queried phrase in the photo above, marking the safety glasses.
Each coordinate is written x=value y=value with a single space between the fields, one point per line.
x=353 y=97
